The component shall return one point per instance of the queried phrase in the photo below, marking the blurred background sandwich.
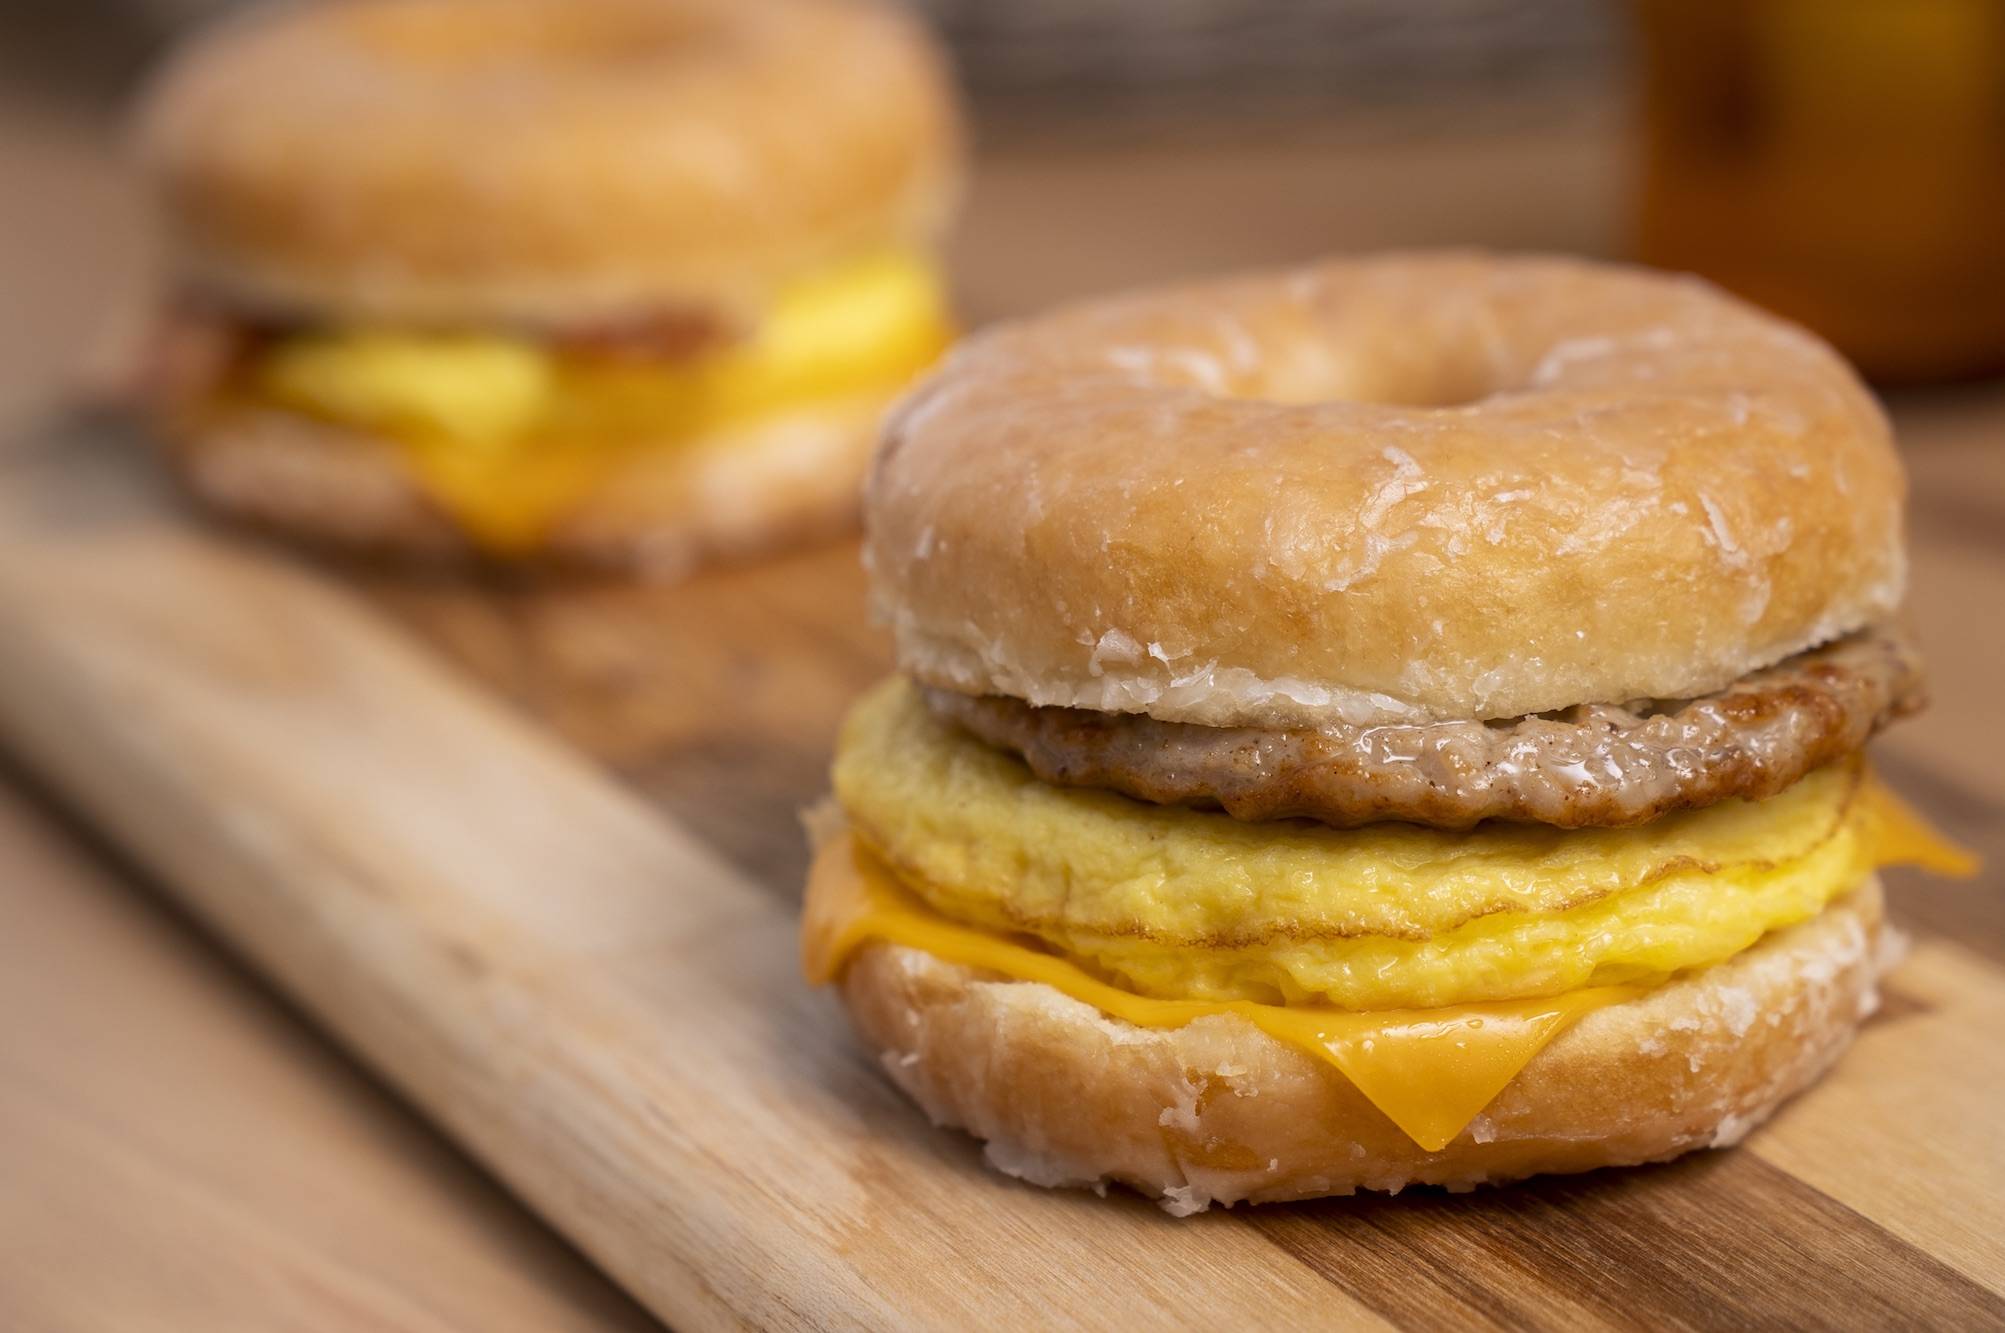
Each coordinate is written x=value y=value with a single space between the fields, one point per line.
x=622 y=284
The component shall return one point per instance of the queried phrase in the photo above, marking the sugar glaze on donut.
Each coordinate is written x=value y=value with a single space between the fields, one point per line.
x=1411 y=488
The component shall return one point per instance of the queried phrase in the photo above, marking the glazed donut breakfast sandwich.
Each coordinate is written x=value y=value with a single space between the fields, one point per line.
x=1395 y=722
x=616 y=284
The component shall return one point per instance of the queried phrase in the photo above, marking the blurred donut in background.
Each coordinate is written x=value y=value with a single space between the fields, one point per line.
x=620 y=284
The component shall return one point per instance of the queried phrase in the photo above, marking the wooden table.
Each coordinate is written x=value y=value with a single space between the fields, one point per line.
x=177 y=1147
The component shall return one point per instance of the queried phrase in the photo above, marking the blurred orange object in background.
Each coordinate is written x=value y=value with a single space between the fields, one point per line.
x=1841 y=162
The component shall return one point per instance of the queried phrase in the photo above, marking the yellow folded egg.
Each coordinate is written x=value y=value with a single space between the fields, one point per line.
x=1190 y=904
x=477 y=389
x=508 y=432
x=877 y=320
x=872 y=321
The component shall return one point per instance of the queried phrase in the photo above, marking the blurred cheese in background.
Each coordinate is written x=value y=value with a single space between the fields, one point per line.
x=1841 y=162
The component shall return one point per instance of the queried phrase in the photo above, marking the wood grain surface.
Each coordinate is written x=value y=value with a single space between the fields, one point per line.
x=178 y=1148
x=396 y=805
x=182 y=1152
x=590 y=982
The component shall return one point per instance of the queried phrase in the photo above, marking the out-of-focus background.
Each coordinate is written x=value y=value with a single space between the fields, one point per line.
x=197 y=1147
x=1842 y=161
x=1245 y=131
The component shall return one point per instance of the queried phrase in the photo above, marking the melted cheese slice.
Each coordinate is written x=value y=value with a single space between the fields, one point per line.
x=507 y=499
x=1897 y=835
x=1431 y=1071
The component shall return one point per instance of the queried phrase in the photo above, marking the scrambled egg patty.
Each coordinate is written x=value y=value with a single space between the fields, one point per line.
x=1193 y=904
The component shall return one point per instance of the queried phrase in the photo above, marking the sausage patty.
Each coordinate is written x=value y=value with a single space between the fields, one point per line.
x=1593 y=764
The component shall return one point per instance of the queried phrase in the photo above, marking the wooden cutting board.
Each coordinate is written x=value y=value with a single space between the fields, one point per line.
x=532 y=853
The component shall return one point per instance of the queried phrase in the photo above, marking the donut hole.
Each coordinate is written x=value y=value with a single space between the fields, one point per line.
x=1437 y=385
x=1412 y=376
x=1343 y=356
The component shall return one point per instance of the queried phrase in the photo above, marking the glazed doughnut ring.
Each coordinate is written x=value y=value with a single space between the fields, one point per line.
x=1406 y=489
x=1063 y=1097
x=523 y=162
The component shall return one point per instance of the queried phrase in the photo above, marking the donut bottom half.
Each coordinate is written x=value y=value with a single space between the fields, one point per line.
x=653 y=509
x=1219 y=1112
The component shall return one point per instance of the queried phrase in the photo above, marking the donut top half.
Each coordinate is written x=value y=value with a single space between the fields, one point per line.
x=1427 y=537
x=539 y=164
